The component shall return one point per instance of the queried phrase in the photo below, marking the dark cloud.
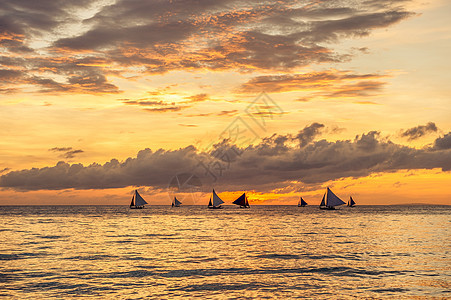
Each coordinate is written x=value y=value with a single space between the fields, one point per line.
x=139 y=36
x=71 y=154
x=77 y=78
x=419 y=131
x=306 y=135
x=161 y=36
x=162 y=165
x=9 y=75
x=358 y=25
x=67 y=152
x=273 y=163
x=444 y=142
x=37 y=17
x=60 y=149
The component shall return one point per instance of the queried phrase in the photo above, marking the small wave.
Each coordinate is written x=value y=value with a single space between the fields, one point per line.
x=22 y=255
x=392 y=290
x=278 y=256
x=219 y=287
x=130 y=274
x=126 y=241
x=298 y=256
x=52 y=237
x=184 y=273
x=203 y=272
x=200 y=260
x=63 y=288
x=91 y=257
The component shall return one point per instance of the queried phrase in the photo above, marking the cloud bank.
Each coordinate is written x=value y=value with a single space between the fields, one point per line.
x=66 y=48
x=275 y=162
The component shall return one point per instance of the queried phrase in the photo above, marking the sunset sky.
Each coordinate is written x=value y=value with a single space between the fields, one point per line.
x=277 y=98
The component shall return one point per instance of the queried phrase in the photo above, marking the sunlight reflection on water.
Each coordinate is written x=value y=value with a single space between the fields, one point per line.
x=262 y=252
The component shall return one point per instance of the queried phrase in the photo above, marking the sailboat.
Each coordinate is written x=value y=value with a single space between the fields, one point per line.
x=351 y=202
x=330 y=200
x=216 y=204
x=242 y=201
x=137 y=201
x=176 y=202
x=302 y=203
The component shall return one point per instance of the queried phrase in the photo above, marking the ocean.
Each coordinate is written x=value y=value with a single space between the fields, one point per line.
x=265 y=252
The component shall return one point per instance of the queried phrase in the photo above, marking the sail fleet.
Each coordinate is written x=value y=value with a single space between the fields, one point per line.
x=328 y=202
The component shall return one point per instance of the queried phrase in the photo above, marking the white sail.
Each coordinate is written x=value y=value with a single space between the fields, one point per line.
x=332 y=199
x=139 y=201
x=216 y=200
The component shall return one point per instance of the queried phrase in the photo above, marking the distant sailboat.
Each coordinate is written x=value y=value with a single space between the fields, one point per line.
x=242 y=201
x=176 y=202
x=330 y=200
x=351 y=202
x=216 y=204
x=137 y=201
x=302 y=203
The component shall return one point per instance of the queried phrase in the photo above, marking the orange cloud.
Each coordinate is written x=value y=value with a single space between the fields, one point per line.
x=131 y=39
x=330 y=83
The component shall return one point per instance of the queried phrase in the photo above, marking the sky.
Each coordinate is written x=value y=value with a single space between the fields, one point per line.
x=279 y=99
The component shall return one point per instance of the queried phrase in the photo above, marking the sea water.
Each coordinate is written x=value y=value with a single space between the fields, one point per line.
x=160 y=252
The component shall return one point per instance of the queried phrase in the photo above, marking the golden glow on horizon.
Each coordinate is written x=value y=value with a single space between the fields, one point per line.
x=402 y=187
x=112 y=104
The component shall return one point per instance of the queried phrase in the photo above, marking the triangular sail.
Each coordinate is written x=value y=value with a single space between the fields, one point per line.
x=139 y=201
x=323 y=202
x=209 y=203
x=351 y=201
x=241 y=201
x=303 y=203
x=247 y=203
x=133 y=201
x=177 y=202
x=216 y=200
x=332 y=199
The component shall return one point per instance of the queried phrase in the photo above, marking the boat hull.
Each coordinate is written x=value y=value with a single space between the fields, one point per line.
x=327 y=207
x=136 y=207
x=215 y=207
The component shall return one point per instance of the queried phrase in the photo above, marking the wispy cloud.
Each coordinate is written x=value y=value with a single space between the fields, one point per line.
x=419 y=131
x=66 y=152
x=154 y=104
x=197 y=98
x=324 y=84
